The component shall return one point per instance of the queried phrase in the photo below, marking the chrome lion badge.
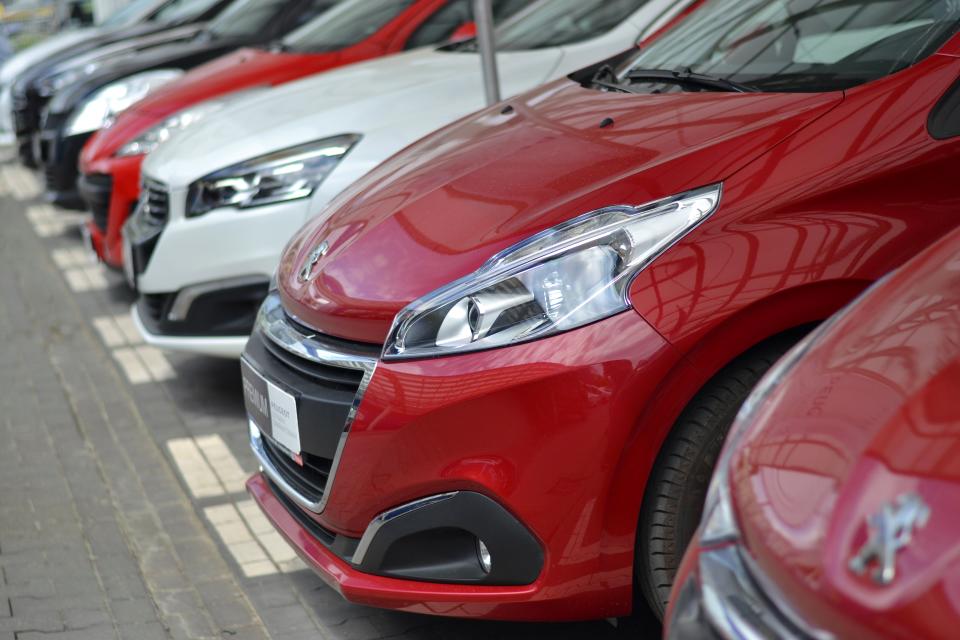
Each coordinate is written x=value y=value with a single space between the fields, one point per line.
x=306 y=273
x=890 y=530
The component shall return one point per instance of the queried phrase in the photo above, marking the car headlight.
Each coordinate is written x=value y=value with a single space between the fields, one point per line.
x=562 y=278
x=153 y=137
x=52 y=84
x=281 y=176
x=97 y=112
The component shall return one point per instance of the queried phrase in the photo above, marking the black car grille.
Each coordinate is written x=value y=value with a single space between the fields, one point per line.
x=154 y=305
x=98 y=198
x=310 y=480
x=326 y=394
x=155 y=201
x=26 y=119
x=326 y=375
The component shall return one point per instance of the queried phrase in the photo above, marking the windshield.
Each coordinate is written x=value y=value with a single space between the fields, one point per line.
x=129 y=14
x=178 y=11
x=554 y=23
x=349 y=22
x=245 y=18
x=797 y=45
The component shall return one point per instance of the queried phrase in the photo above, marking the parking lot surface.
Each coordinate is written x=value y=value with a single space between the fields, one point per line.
x=122 y=507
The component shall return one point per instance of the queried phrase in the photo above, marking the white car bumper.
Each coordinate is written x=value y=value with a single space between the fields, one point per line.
x=225 y=347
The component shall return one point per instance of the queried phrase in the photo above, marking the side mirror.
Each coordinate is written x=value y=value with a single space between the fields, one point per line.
x=466 y=31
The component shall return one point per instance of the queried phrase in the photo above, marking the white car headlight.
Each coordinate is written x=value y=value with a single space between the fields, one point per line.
x=153 y=137
x=281 y=176
x=565 y=277
x=98 y=110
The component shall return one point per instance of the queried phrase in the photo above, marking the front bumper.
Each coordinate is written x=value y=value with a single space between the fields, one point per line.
x=219 y=347
x=431 y=598
x=540 y=429
x=110 y=187
x=720 y=594
x=26 y=123
x=59 y=156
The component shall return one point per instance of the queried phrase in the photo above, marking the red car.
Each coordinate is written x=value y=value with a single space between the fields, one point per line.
x=355 y=30
x=834 y=510
x=496 y=375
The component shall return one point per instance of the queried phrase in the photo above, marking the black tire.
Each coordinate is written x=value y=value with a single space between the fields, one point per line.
x=673 y=501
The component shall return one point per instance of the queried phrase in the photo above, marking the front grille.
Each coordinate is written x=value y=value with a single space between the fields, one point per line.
x=155 y=201
x=310 y=480
x=339 y=377
x=328 y=375
x=97 y=196
x=25 y=118
x=50 y=173
x=154 y=305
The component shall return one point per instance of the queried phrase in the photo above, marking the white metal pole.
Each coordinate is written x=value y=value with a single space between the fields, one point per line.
x=483 y=15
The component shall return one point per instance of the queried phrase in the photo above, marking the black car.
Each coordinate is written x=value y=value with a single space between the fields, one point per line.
x=65 y=128
x=154 y=21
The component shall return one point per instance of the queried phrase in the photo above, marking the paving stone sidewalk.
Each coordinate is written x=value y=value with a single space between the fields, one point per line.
x=122 y=508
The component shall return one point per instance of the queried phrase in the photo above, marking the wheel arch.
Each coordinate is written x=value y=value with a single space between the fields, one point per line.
x=767 y=319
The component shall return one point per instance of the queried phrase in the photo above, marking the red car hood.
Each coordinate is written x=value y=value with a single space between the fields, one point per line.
x=240 y=70
x=439 y=209
x=869 y=415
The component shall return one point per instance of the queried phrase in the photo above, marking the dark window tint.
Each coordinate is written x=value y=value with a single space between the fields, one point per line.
x=246 y=18
x=183 y=10
x=348 y=23
x=560 y=22
x=310 y=11
x=444 y=23
x=803 y=45
x=130 y=13
x=945 y=118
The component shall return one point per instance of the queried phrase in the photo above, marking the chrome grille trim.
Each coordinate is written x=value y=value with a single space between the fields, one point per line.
x=273 y=323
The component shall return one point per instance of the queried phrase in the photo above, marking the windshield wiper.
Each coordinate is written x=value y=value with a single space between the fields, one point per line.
x=279 y=46
x=689 y=77
x=606 y=78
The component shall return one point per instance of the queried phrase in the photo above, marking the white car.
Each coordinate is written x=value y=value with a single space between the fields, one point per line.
x=222 y=198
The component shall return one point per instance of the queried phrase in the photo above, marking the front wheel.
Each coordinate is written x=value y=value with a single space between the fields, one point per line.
x=677 y=488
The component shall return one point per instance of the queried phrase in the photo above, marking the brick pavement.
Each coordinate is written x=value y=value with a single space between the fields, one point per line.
x=122 y=510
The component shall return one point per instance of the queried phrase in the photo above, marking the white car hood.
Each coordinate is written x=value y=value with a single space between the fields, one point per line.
x=42 y=50
x=406 y=95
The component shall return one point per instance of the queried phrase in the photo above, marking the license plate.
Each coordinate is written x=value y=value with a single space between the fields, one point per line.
x=272 y=409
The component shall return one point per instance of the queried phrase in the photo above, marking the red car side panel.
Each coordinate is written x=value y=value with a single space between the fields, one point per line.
x=502 y=423
x=868 y=415
x=806 y=214
x=399 y=212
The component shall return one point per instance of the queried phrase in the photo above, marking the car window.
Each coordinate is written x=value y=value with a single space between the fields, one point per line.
x=311 y=11
x=182 y=10
x=348 y=23
x=444 y=23
x=129 y=14
x=244 y=18
x=554 y=23
x=802 y=45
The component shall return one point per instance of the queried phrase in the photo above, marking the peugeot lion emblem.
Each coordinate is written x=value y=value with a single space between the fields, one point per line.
x=307 y=272
x=889 y=531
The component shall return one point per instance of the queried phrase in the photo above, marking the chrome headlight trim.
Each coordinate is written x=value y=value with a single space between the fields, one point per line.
x=560 y=279
x=280 y=176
